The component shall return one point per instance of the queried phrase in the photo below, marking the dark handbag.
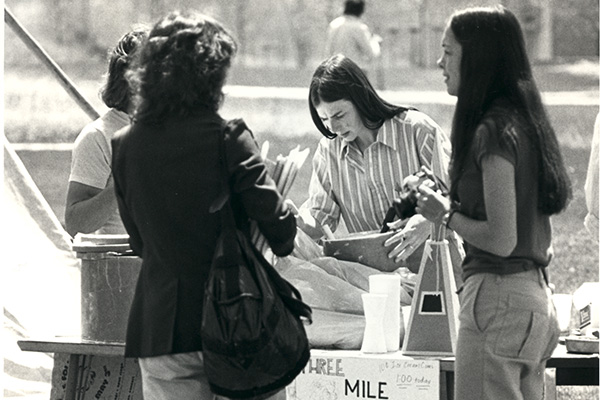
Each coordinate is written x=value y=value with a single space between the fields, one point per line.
x=253 y=337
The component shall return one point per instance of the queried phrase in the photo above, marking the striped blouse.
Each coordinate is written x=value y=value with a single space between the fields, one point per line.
x=360 y=187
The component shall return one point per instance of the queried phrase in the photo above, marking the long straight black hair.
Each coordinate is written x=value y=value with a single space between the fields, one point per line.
x=494 y=65
x=340 y=78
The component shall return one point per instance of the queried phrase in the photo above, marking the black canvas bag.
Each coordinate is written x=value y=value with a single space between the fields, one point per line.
x=253 y=338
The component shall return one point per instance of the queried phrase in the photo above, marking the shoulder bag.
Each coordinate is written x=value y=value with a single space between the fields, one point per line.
x=253 y=337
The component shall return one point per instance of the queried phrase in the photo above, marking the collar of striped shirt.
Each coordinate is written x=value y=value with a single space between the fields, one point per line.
x=385 y=135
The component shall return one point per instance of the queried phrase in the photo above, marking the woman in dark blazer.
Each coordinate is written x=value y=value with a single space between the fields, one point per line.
x=166 y=169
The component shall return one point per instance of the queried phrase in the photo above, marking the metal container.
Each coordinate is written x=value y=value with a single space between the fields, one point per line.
x=581 y=344
x=109 y=273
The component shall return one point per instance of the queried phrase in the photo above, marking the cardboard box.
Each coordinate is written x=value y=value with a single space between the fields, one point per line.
x=100 y=377
x=346 y=374
x=585 y=300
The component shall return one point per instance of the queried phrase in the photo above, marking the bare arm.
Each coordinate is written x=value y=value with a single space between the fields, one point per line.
x=497 y=234
x=88 y=207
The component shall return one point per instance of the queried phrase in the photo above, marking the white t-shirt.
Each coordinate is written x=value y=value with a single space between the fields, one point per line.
x=349 y=36
x=92 y=156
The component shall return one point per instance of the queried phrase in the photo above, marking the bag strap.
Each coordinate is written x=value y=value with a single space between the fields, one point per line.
x=289 y=294
x=228 y=238
x=222 y=202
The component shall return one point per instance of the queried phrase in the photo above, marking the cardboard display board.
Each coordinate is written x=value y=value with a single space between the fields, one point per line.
x=346 y=374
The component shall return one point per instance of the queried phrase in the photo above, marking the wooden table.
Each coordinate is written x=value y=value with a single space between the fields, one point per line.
x=73 y=383
x=574 y=369
x=571 y=368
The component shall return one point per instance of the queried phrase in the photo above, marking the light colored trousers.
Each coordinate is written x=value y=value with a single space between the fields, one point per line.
x=179 y=377
x=508 y=329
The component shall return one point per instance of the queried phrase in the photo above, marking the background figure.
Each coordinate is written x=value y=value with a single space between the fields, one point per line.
x=165 y=176
x=91 y=206
x=591 y=184
x=348 y=35
x=507 y=179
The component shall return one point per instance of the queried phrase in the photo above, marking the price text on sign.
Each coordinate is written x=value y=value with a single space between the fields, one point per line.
x=364 y=377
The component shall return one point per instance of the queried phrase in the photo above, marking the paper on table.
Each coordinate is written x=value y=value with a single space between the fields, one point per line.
x=284 y=173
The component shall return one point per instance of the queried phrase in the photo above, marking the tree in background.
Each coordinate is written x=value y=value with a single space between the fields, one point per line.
x=281 y=33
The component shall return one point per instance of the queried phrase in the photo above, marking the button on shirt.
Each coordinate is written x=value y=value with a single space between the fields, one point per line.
x=360 y=187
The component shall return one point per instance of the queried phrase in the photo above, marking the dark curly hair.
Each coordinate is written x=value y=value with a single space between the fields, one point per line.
x=181 y=69
x=115 y=93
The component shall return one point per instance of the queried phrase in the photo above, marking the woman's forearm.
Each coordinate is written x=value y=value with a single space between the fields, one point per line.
x=88 y=215
x=482 y=235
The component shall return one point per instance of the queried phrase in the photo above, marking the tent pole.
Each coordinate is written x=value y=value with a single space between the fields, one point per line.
x=58 y=73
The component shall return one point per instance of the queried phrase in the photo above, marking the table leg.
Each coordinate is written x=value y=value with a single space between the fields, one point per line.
x=78 y=376
x=447 y=385
x=72 y=377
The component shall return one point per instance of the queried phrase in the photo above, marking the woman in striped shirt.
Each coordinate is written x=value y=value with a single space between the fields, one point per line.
x=369 y=147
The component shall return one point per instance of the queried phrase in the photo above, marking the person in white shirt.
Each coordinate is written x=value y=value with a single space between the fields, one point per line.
x=350 y=36
x=91 y=206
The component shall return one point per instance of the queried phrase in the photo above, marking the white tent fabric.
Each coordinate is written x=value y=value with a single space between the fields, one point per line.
x=40 y=280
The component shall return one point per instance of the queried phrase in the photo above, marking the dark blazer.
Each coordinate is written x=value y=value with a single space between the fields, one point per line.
x=166 y=177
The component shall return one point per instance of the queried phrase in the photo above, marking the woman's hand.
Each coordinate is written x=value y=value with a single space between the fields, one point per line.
x=305 y=222
x=414 y=233
x=431 y=204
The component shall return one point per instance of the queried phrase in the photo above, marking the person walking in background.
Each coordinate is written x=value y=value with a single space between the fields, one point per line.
x=350 y=36
x=507 y=178
x=164 y=167
x=591 y=184
x=91 y=206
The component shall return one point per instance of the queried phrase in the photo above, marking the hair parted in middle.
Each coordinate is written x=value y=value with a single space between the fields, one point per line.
x=340 y=78
x=181 y=70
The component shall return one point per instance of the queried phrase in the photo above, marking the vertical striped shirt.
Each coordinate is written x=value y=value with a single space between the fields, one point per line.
x=360 y=187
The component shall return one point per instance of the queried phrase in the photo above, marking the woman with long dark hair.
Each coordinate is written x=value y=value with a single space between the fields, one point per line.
x=507 y=179
x=370 y=146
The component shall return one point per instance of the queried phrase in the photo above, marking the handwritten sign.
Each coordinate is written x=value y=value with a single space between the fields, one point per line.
x=342 y=374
